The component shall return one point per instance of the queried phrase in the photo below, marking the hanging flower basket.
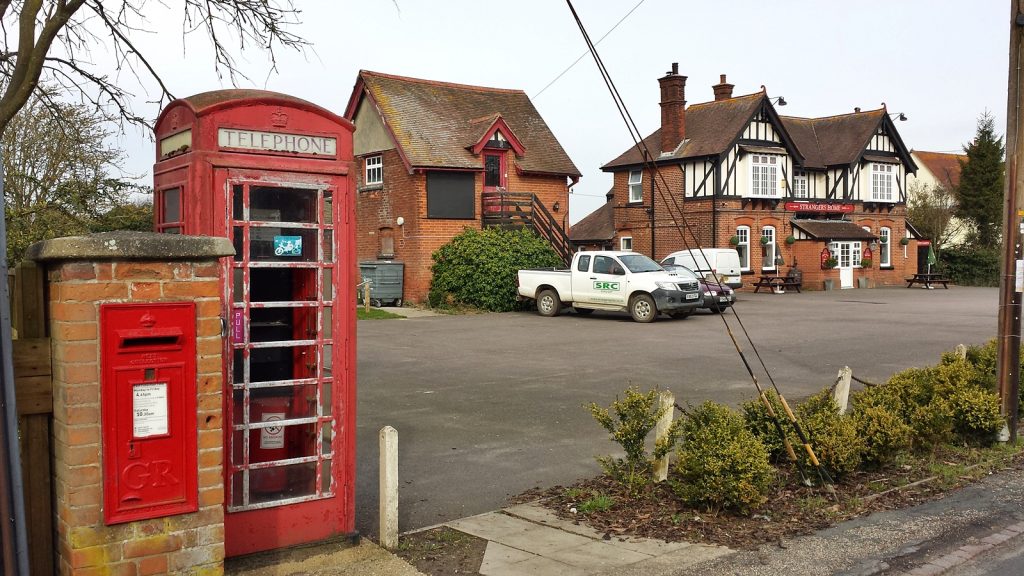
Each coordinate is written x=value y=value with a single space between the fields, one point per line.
x=904 y=241
x=765 y=241
x=734 y=240
x=790 y=239
x=865 y=262
x=830 y=263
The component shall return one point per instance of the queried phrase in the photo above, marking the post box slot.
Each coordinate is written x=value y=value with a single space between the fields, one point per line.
x=130 y=341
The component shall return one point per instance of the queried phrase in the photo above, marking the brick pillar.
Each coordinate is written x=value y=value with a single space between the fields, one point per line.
x=83 y=273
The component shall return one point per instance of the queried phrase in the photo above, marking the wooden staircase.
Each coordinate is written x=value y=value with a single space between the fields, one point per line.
x=514 y=210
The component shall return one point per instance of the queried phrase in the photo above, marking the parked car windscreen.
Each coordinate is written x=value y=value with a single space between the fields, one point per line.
x=639 y=263
x=682 y=271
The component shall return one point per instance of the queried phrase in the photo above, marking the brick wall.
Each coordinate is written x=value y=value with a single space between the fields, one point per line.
x=182 y=544
x=404 y=194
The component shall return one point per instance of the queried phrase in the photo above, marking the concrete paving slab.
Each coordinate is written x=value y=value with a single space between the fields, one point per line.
x=493 y=526
x=597 y=556
x=668 y=563
x=537 y=566
x=545 y=541
x=497 y=555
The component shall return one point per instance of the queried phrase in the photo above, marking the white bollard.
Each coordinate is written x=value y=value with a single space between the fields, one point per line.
x=666 y=402
x=961 y=351
x=842 y=393
x=389 y=488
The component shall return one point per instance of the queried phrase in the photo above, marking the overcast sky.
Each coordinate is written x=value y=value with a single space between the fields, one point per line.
x=940 y=62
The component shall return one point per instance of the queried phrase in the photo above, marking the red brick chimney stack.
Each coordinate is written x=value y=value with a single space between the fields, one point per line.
x=673 y=109
x=723 y=90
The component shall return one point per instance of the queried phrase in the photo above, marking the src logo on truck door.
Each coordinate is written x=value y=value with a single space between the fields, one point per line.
x=606 y=286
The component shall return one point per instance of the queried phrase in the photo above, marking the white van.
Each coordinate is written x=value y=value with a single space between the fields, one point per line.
x=721 y=262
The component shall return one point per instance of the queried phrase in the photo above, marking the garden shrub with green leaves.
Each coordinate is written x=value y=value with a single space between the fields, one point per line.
x=884 y=433
x=478 y=267
x=635 y=416
x=833 y=436
x=761 y=424
x=721 y=464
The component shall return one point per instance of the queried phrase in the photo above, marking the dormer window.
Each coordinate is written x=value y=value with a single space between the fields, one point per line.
x=498 y=141
x=881 y=182
x=764 y=175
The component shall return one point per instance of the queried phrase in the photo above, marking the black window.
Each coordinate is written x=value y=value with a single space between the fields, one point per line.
x=492 y=170
x=450 y=195
x=583 y=264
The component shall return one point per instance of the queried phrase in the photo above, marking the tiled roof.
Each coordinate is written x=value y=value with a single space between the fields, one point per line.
x=833 y=140
x=434 y=122
x=832 y=229
x=710 y=128
x=945 y=167
x=598 y=225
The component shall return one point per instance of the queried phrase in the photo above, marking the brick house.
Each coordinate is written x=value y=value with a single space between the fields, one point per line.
x=783 y=191
x=434 y=158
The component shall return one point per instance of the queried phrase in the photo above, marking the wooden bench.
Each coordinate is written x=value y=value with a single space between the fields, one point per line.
x=927 y=280
x=772 y=282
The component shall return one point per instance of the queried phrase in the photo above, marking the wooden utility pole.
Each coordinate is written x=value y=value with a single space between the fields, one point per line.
x=1011 y=282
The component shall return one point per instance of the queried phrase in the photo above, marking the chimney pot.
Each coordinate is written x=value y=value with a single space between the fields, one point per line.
x=856 y=109
x=723 y=90
x=721 y=78
x=675 y=67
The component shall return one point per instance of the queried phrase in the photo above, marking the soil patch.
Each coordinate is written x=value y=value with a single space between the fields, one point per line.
x=443 y=552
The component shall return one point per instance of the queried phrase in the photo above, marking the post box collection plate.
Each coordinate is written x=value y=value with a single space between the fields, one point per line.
x=149 y=410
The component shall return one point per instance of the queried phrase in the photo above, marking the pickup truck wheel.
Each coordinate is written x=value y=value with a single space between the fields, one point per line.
x=583 y=311
x=548 y=303
x=642 y=308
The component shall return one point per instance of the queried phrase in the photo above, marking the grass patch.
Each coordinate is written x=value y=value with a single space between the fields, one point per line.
x=375 y=314
x=598 y=503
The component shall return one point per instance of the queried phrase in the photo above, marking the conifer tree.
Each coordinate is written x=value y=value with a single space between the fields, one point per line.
x=980 y=191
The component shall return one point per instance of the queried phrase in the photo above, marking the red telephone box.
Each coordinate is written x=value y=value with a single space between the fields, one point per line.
x=273 y=173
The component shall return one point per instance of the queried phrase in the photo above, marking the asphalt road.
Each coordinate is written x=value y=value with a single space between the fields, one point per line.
x=487 y=406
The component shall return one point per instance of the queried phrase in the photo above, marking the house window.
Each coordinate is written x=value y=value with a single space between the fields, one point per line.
x=451 y=195
x=743 y=246
x=881 y=182
x=884 y=247
x=764 y=176
x=800 y=186
x=374 y=170
x=626 y=243
x=169 y=210
x=636 y=189
x=857 y=252
x=494 y=171
x=768 y=248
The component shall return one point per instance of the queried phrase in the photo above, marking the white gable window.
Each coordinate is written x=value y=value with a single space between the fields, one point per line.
x=743 y=246
x=881 y=182
x=636 y=188
x=764 y=175
x=374 y=171
x=800 y=185
x=626 y=243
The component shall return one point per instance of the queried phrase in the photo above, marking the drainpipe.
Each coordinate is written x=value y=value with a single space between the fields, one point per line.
x=651 y=212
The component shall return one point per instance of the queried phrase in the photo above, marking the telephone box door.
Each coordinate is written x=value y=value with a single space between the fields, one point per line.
x=283 y=464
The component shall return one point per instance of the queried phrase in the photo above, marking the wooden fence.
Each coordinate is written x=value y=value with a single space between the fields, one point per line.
x=33 y=387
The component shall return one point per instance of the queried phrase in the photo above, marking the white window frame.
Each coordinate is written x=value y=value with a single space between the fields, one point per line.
x=881 y=182
x=800 y=189
x=636 y=187
x=743 y=247
x=626 y=243
x=885 y=247
x=373 y=174
x=764 y=175
x=856 y=251
x=768 y=251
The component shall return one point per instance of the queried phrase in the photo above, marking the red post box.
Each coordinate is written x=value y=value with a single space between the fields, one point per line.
x=149 y=410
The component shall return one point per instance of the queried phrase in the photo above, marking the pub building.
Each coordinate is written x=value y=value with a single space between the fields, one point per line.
x=825 y=198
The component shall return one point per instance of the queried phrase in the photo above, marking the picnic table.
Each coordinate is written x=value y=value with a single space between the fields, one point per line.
x=773 y=281
x=927 y=280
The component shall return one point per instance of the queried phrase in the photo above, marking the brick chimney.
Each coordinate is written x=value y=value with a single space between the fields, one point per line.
x=673 y=109
x=723 y=90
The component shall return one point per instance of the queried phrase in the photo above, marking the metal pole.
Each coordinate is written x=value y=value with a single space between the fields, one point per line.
x=1008 y=362
x=12 y=493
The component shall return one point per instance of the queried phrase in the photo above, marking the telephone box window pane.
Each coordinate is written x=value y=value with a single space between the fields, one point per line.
x=328 y=285
x=276 y=204
x=328 y=245
x=171 y=205
x=236 y=202
x=328 y=208
x=325 y=400
x=325 y=477
x=238 y=276
x=237 y=489
x=292 y=401
x=328 y=324
x=270 y=364
x=328 y=360
x=282 y=482
x=172 y=230
x=325 y=443
x=270 y=325
x=238 y=370
x=236 y=240
x=274 y=443
x=282 y=244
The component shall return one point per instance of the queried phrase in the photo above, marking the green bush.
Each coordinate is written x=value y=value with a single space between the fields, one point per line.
x=983 y=360
x=636 y=415
x=884 y=433
x=720 y=464
x=760 y=423
x=932 y=424
x=971 y=265
x=478 y=268
x=833 y=436
x=976 y=415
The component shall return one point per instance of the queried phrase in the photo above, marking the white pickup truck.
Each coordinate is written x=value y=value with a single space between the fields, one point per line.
x=609 y=280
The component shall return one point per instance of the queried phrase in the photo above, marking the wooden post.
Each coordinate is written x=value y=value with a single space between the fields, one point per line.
x=666 y=403
x=389 y=488
x=842 y=393
x=961 y=351
x=366 y=296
